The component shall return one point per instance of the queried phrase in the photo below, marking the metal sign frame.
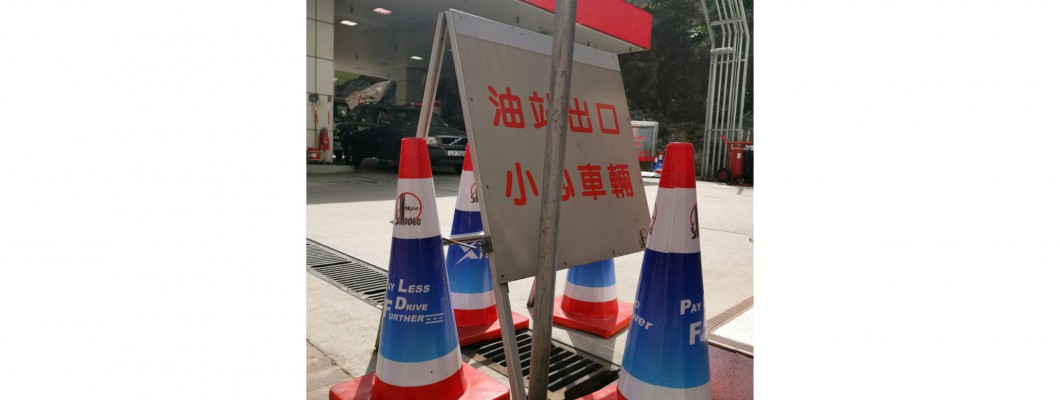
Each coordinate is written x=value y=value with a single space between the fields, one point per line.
x=500 y=290
x=513 y=64
x=562 y=56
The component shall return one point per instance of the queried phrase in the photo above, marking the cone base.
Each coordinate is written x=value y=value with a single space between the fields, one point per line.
x=480 y=333
x=609 y=392
x=604 y=327
x=479 y=387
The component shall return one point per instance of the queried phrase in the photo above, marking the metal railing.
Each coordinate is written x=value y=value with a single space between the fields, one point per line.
x=730 y=43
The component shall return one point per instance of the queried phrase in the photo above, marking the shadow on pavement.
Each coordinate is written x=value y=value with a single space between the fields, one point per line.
x=371 y=365
x=372 y=181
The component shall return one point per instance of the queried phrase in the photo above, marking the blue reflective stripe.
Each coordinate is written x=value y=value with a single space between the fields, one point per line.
x=661 y=354
x=467 y=222
x=595 y=274
x=466 y=273
x=414 y=264
x=468 y=269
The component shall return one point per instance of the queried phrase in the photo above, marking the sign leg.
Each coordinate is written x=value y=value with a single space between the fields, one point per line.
x=511 y=355
x=533 y=290
x=434 y=70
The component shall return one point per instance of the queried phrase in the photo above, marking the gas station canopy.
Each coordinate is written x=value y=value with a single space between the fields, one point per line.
x=392 y=37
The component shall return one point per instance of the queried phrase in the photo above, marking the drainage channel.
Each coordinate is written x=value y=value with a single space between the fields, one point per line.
x=356 y=277
x=572 y=374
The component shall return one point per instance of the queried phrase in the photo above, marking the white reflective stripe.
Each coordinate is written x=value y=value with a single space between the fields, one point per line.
x=636 y=389
x=418 y=373
x=472 y=301
x=480 y=28
x=420 y=204
x=463 y=196
x=672 y=226
x=588 y=293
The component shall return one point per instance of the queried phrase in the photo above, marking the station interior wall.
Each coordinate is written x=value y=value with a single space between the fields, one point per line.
x=320 y=69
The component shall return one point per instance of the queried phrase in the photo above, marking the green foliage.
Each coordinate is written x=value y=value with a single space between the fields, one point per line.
x=344 y=77
x=698 y=34
x=669 y=82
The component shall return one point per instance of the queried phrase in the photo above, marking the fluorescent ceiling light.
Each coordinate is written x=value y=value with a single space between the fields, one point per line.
x=382 y=10
x=416 y=58
x=348 y=22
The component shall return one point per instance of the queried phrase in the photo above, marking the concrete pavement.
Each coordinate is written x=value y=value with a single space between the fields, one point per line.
x=321 y=373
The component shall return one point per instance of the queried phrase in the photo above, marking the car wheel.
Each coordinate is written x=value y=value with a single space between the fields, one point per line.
x=355 y=159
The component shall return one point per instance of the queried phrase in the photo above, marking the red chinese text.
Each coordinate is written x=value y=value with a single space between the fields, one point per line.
x=509 y=108
x=581 y=115
x=621 y=186
x=520 y=200
x=607 y=109
x=592 y=183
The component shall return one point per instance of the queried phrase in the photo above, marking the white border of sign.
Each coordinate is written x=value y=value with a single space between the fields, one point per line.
x=496 y=32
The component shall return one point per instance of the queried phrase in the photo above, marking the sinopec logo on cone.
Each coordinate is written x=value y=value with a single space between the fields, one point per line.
x=474 y=194
x=408 y=209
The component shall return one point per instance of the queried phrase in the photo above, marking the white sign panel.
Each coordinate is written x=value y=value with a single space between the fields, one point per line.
x=503 y=75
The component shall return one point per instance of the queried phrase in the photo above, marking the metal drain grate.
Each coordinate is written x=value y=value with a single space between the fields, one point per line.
x=570 y=375
x=356 y=277
x=316 y=256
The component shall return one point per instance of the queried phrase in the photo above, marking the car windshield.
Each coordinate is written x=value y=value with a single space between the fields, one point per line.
x=410 y=116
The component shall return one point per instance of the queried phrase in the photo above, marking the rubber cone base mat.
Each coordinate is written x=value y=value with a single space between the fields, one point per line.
x=479 y=387
x=609 y=392
x=479 y=333
x=604 y=327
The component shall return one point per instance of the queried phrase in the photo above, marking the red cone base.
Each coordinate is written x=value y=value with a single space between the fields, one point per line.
x=609 y=392
x=604 y=327
x=481 y=333
x=479 y=387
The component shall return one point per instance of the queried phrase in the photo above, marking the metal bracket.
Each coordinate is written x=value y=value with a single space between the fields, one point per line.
x=475 y=240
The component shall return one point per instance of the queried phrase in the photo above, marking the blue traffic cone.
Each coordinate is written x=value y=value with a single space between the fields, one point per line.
x=590 y=301
x=470 y=284
x=666 y=349
x=418 y=353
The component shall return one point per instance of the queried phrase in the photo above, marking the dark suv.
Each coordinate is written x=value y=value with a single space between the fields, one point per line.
x=376 y=130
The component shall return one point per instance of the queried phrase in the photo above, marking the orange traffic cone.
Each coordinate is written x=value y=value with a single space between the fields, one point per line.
x=590 y=301
x=666 y=349
x=470 y=283
x=418 y=353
